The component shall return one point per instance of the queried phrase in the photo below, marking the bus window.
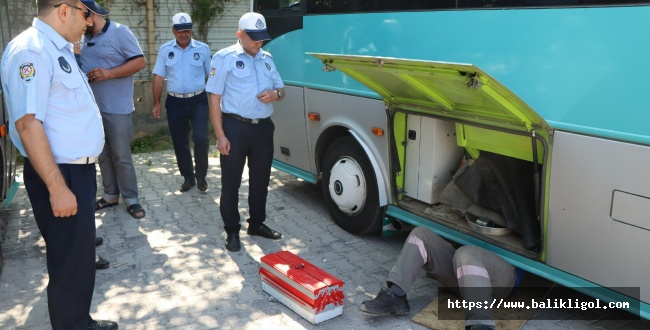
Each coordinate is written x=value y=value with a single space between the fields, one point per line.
x=359 y=6
x=278 y=4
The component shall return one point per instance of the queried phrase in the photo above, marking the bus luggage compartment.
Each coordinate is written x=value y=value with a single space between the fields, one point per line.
x=460 y=109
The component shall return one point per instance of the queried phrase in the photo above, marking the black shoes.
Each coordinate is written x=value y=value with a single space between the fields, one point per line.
x=386 y=302
x=101 y=263
x=187 y=185
x=102 y=325
x=264 y=231
x=232 y=243
x=202 y=184
x=98 y=241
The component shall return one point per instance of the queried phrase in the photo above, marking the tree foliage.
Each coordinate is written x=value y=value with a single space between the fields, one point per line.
x=204 y=12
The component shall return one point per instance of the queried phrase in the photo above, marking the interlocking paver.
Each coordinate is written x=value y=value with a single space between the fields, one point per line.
x=169 y=270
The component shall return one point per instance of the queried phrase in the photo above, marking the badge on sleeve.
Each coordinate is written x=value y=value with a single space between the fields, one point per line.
x=27 y=71
x=240 y=64
x=213 y=71
x=170 y=55
x=65 y=66
x=268 y=66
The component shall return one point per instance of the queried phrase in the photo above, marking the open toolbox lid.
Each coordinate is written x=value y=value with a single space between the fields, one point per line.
x=450 y=90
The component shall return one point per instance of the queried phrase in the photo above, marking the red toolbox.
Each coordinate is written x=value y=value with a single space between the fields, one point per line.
x=308 y=290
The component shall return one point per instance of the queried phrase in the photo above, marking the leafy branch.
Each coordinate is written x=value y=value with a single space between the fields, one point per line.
x=203 y=14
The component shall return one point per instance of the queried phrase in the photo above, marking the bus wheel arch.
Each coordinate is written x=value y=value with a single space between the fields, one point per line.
x=350 y=187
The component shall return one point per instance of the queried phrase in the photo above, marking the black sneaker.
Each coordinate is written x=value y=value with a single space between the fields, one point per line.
x=187 y=185
x=98 y=241
x=101 y=263
x=386 y=303
x=102 y=325
x=264 y=231
x=202 y=184
x=232 y=243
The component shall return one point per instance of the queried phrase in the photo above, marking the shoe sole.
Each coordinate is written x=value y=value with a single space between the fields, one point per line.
x=398 y=312
x=232 y=250
x=380 y=313
x=269 y=237
x=102 y=266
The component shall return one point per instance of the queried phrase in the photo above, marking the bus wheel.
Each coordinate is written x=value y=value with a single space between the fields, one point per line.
x=350 y=187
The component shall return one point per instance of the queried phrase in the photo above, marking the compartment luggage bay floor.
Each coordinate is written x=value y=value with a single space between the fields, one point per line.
x=447 y=216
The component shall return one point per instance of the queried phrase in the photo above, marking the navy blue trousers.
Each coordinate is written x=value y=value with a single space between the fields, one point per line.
x=255 y=143
x=69 y=244
x=183 y=114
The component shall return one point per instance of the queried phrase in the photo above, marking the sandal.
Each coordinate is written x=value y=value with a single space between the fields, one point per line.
x=102 y=204
x=136 y=211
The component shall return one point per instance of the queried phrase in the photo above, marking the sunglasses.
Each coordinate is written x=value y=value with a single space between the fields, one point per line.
x=87 y=13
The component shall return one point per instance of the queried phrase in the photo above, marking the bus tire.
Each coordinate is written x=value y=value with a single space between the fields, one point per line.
x=350 y=187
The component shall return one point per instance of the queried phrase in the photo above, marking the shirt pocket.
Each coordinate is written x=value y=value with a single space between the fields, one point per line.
x=197 y=63
x=243 y=78
x=170 y=62
x=74 y=85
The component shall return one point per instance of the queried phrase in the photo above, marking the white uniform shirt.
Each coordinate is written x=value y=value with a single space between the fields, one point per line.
x=40 y=76
x=185 y=69
x=239 y=78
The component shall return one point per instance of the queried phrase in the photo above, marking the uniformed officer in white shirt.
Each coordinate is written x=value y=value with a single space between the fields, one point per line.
x=185 y=63
x=243 y=83
x=55 y=123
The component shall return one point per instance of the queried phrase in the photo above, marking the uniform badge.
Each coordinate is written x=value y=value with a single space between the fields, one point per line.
x=268 y=66
x=170 y=55
x=240 y=64
x=213 y=71
x=65 y=66
x=196 y=56
x=27 y=71
x=259 y=24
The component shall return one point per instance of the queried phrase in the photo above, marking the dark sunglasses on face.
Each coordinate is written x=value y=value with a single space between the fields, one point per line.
x=87 y=13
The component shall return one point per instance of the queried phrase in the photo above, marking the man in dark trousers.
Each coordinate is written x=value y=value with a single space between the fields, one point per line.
x=243 y=83
x=55 y=124
x=185 y=63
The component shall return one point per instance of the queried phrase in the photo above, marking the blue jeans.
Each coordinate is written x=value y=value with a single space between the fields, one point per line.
x=183 y=115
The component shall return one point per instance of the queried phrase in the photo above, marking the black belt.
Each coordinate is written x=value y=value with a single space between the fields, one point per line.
x=246 y=120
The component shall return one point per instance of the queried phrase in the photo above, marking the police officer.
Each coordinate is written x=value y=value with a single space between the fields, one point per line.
x=55 y=123
x=185 y=63
x=243 y=83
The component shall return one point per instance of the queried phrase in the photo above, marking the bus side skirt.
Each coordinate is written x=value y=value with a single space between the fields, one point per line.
x=295 y=172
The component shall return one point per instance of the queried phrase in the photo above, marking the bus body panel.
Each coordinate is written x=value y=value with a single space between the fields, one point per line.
x=291 y=113
x=583 y=238
x=578 y=68
x=345 y=112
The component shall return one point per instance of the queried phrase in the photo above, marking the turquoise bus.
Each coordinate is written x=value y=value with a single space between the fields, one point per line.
x=520 y=126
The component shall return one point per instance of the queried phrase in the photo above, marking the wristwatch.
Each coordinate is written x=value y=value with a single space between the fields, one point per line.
x=277 y=91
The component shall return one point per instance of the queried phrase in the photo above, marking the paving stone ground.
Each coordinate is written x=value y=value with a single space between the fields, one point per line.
x=169 y=270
